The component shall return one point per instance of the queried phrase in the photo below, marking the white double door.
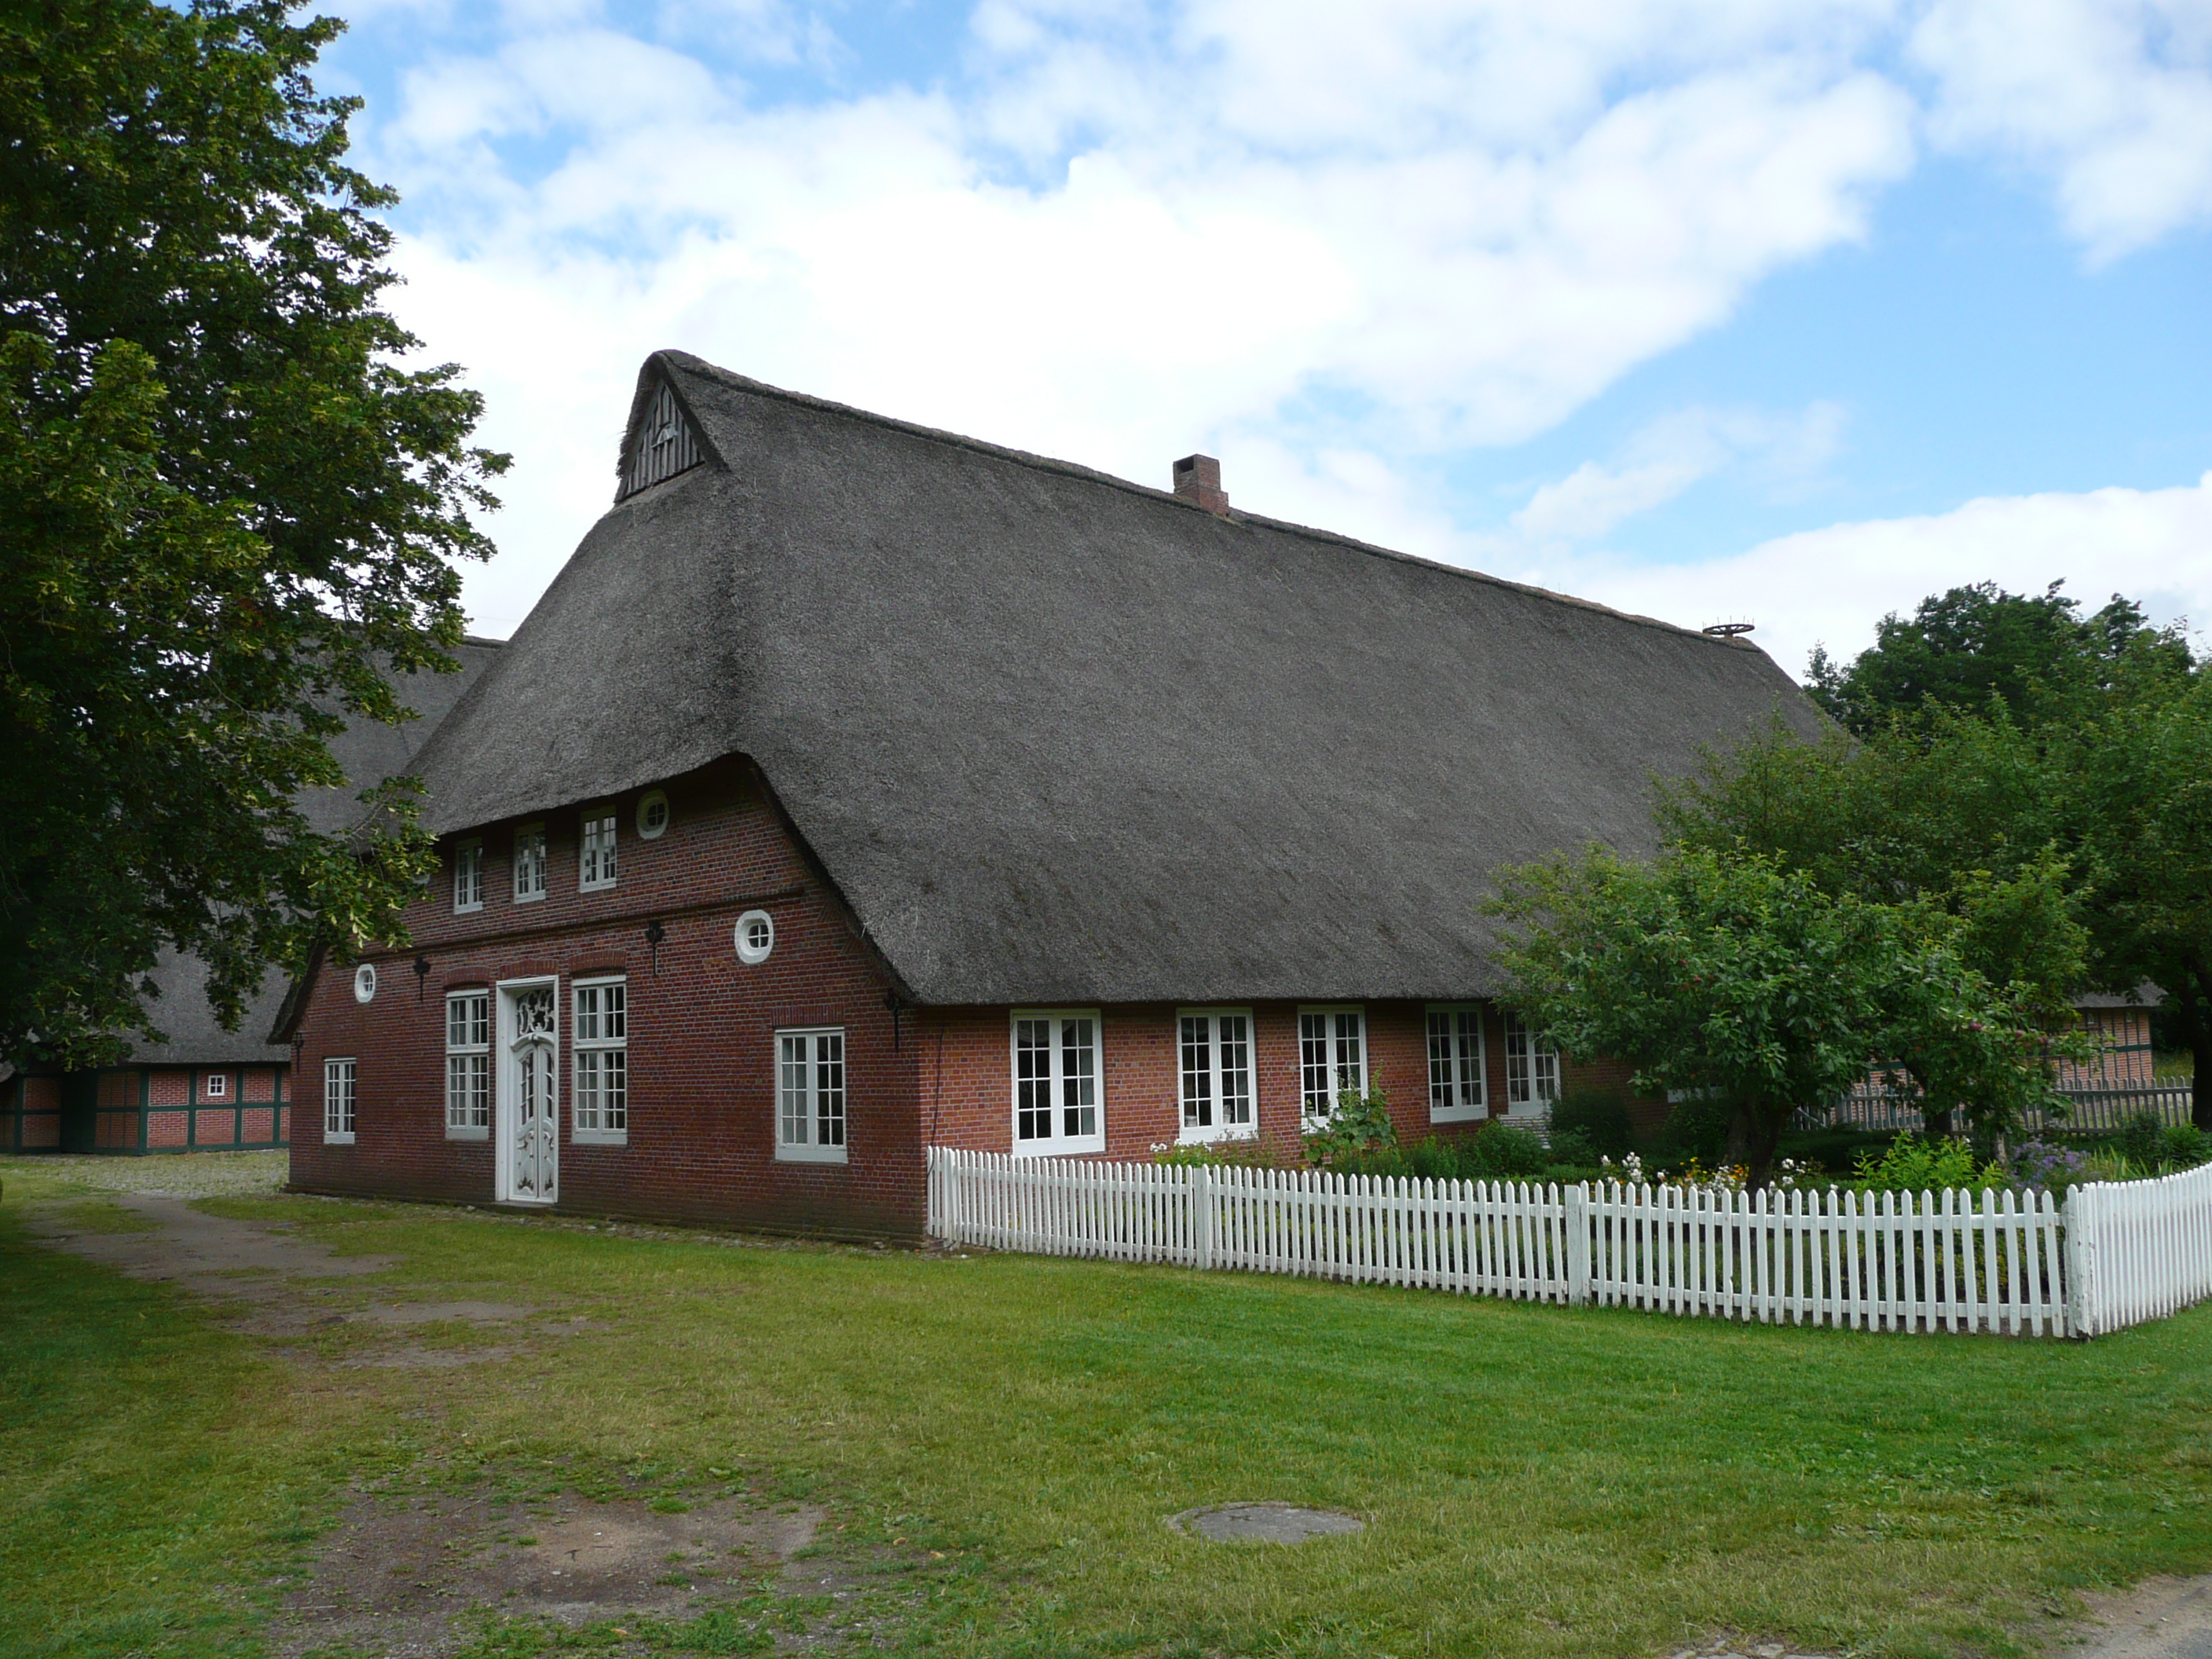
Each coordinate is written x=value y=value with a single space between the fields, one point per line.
x=529 y=1093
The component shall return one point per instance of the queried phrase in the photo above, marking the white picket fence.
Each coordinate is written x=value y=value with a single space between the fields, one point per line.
x=2115 y=1255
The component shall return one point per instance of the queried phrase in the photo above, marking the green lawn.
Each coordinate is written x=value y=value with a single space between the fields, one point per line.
x=1537 y=1481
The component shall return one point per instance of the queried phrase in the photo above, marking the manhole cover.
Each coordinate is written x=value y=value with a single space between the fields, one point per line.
x=1273 y=1524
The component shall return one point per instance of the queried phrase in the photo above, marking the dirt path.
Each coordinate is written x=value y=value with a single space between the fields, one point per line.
x=406 y=1576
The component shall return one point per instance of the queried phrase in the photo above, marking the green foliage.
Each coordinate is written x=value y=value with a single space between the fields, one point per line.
x=1241 y=1153
x=229 y=512
x=1978 y=649
x=1916 y=1163
x=1359 y=1126
x=1600 y=1116
x=1956 y=815
x=1697 y=1127
x=1497 y=1151
x=2152 y=1147
x=1741 y=981
x=2023 y=768
x=1574 y=1147
x=1503 y=1150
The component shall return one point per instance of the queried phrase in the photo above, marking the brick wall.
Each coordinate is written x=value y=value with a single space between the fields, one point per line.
x=967 y=1076
x=701 y=1141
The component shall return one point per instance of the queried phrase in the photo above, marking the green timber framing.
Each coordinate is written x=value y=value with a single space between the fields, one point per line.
x=114 y=1111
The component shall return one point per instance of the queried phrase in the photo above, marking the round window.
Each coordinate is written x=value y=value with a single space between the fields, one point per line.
x=755 y=936
x=652 y=816
x=364 y=983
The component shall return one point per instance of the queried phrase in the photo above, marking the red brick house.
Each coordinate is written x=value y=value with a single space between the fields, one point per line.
x=199 y=1087
x=858 y=787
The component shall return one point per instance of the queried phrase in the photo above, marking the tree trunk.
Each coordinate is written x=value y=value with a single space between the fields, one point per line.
x=1755 y=1136
x=2197 y=1027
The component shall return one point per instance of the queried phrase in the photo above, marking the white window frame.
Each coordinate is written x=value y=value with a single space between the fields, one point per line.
x=215 y=1085
x=1334 y=1014
x=647 y=830
x=529 y=860
x=468 y=877
x=1459 y=1081
x=597 y=834
x=468 y=1066
x=754 y=938
x=340 y=1099
x=1063 y=1088
x=812 y=1084
x=603 y=1056
x=1532 y=1070
x=1208 y=1082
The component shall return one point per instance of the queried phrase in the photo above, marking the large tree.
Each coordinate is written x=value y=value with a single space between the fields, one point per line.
x=1977 y=648
x=231 y=512
x=2074 y=849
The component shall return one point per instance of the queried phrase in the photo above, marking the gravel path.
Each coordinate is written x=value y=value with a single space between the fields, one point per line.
x=178 y=1174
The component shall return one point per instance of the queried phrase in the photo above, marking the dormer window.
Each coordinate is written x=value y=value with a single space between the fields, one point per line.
x=661 y=445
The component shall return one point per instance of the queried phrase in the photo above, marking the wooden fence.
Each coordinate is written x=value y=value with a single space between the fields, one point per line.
x=2088 y=1111
x=2017 y=1264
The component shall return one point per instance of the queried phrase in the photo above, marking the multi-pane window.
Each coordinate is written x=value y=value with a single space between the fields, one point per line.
x=468 y=876
x=809 y=1095
x=215 y=1085
x=1057 y=1105
x=600 y=1040
x=337 y=1102
x=595 y=863
x=1216 y=1054
x=1532 y=1068
x=529 y=863
x=1456 y=1089
x=468 y=1065
x=1332 y=1057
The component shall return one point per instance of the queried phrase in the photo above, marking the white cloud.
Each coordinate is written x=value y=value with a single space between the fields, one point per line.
x=1834 y=585
x=1334 y=244
x=1668 y=456
x=1129 y=233
x=2113 y=97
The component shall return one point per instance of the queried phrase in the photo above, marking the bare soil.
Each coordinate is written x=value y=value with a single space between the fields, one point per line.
x=2158 y=1618
x=399 y=1578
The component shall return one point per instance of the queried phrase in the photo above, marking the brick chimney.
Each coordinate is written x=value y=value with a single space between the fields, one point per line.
x=1197 y=481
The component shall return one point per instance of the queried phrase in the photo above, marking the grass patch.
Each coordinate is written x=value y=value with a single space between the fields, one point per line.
x=153 y=1469
x=1006 y=1434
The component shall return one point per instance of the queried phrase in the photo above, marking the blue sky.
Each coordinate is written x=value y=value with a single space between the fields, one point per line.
x=1734 y=308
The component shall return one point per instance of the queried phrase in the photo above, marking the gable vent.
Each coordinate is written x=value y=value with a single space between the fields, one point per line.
x=661 y=446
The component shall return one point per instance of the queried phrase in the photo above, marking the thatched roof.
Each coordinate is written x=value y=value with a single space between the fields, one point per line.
x=1058 y=737
x=369 y=751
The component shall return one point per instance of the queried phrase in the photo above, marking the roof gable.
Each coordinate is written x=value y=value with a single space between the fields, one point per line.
x=1057 y=736
x=662 y=441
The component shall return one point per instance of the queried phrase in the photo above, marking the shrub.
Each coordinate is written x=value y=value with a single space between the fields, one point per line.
x=1504 y=1152
x=1247 y=1154
x=1576 y=1147
x=2188 y=1146
x=1600 y=1117
x=1913 y=1164
x=2142 y=1139
x=1360 y=1125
